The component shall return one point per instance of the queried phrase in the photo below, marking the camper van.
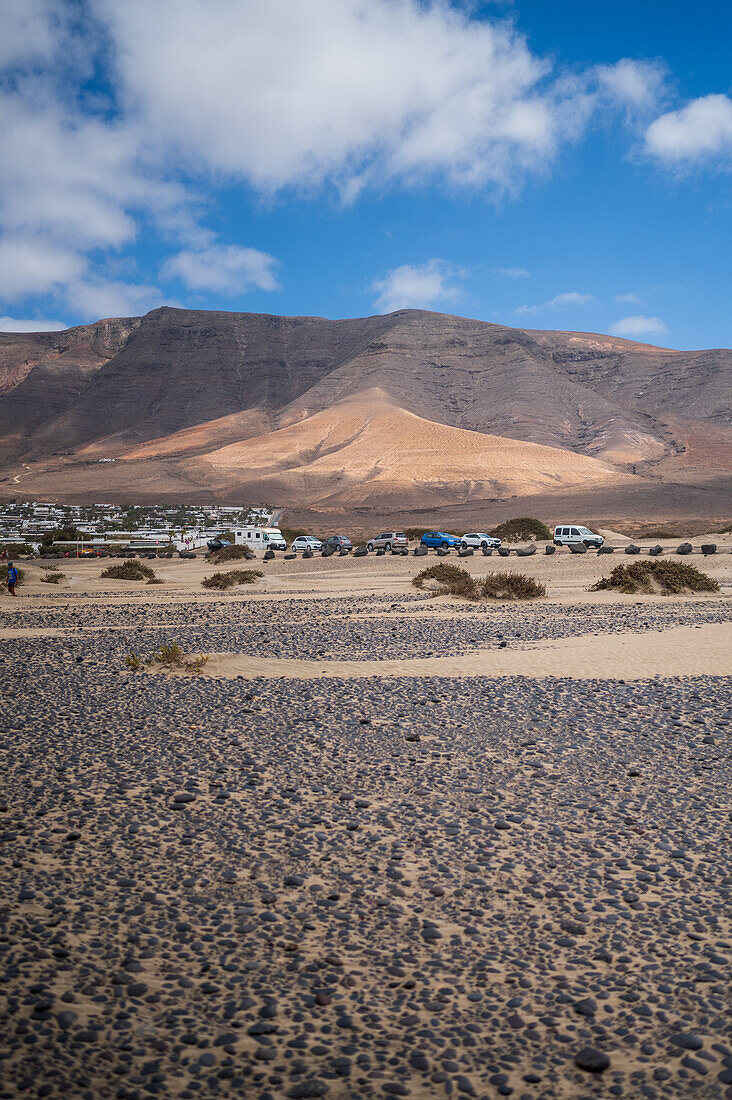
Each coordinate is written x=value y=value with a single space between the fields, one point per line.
x=260 y=538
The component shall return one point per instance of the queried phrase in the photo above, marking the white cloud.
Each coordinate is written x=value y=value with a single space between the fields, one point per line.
x=700 y=130
x=417 y=286
x=29 y=265
x=226 y=269
x=512 y=272
x=636 y=85
x=567 y=300
x=637 y=326
x=15 y=324
x=352 y=92
x=94 y=298
x=29 y=30
x=627 y=299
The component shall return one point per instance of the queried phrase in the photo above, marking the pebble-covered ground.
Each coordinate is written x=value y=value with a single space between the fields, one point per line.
x=359 y=889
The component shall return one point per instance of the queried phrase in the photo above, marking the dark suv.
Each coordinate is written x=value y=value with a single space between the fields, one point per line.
x=338 y=542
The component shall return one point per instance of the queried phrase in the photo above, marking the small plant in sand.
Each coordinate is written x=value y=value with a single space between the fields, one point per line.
x=222 y=581
x=133 y=661
x=171 y=656
x=667 y=578
x=54 y=576
x=130 y=570
x=522 y=529
x=232 y=553
x=156 y=580
x=454 y=581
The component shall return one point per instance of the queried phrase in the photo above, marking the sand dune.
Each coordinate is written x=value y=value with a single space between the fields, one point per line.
x=366 y=448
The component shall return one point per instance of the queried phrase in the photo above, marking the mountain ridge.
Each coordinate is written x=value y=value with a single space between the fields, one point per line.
x=161 y=392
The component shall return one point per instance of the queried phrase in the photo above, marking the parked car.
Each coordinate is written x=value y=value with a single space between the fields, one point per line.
x=387 y=540
x=306 y=542
x=440 y=538
x=573 y=534
x=218 y=544
x=338 y=542
x=478 y=540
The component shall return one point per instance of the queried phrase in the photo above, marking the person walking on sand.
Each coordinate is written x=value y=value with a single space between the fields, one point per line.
x=12 y=578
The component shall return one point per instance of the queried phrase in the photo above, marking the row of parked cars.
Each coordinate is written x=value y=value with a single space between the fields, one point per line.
x=563 y=535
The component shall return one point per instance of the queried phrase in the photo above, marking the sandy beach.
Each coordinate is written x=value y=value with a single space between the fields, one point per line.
x=384 y=844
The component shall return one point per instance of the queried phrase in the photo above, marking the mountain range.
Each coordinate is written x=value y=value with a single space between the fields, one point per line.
x=406 y=414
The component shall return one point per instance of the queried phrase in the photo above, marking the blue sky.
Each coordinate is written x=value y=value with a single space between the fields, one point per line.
x=545 y=165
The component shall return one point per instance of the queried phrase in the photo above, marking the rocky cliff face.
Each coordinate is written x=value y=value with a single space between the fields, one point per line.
x=181 y=383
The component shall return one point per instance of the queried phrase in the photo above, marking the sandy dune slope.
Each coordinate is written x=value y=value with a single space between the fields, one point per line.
x=367 y=448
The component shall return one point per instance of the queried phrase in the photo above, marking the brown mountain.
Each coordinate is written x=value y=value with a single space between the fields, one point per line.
x=421 y=408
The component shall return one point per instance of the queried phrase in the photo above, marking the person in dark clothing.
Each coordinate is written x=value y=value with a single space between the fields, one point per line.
x=12 y=578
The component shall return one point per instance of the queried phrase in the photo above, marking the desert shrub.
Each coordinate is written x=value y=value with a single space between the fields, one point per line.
x=133 y=661
x=232 y=553
x=521 y=529
x=667 y=577
x=234 y=576
x=726 y=530
x=661 y=533
x=172 y=656
x=416 y=532
x=156 y=580
x=455 y=581
x=131 y=569
x=510 y=586
x=52 y=577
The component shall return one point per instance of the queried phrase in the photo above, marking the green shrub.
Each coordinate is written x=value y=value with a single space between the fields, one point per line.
x=232 y=553
x=17 y=550
x=416 y=532
x=667 y=577
x=130 y=570
x=455 y=581
x=234 y=576
x=521 y=529
x=53 y=577
x=133 y=661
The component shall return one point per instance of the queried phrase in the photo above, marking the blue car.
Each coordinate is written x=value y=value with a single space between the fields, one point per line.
x=434 y=539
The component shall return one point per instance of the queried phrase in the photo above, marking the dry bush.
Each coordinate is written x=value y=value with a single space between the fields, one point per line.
x=130 y=570
x=670 y=578
x=232 y=553
x=455 y=581
x=222 y=581
x=52 y=577
x=173 y=657
x=521 y=530
x=511 y=586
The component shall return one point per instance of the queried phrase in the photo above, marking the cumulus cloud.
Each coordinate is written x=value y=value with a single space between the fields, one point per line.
x=701 y=130
x=567 y=300
x=16 y=324
x=417 y=286
x=225 y=269
x=349 y=91
x=638 y=326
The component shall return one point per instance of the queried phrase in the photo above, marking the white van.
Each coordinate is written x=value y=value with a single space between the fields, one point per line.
x=573 y=534
x=260 y=538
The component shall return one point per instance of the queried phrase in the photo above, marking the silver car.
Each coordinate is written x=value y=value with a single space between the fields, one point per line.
x=389 y=540
x=478 y=540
